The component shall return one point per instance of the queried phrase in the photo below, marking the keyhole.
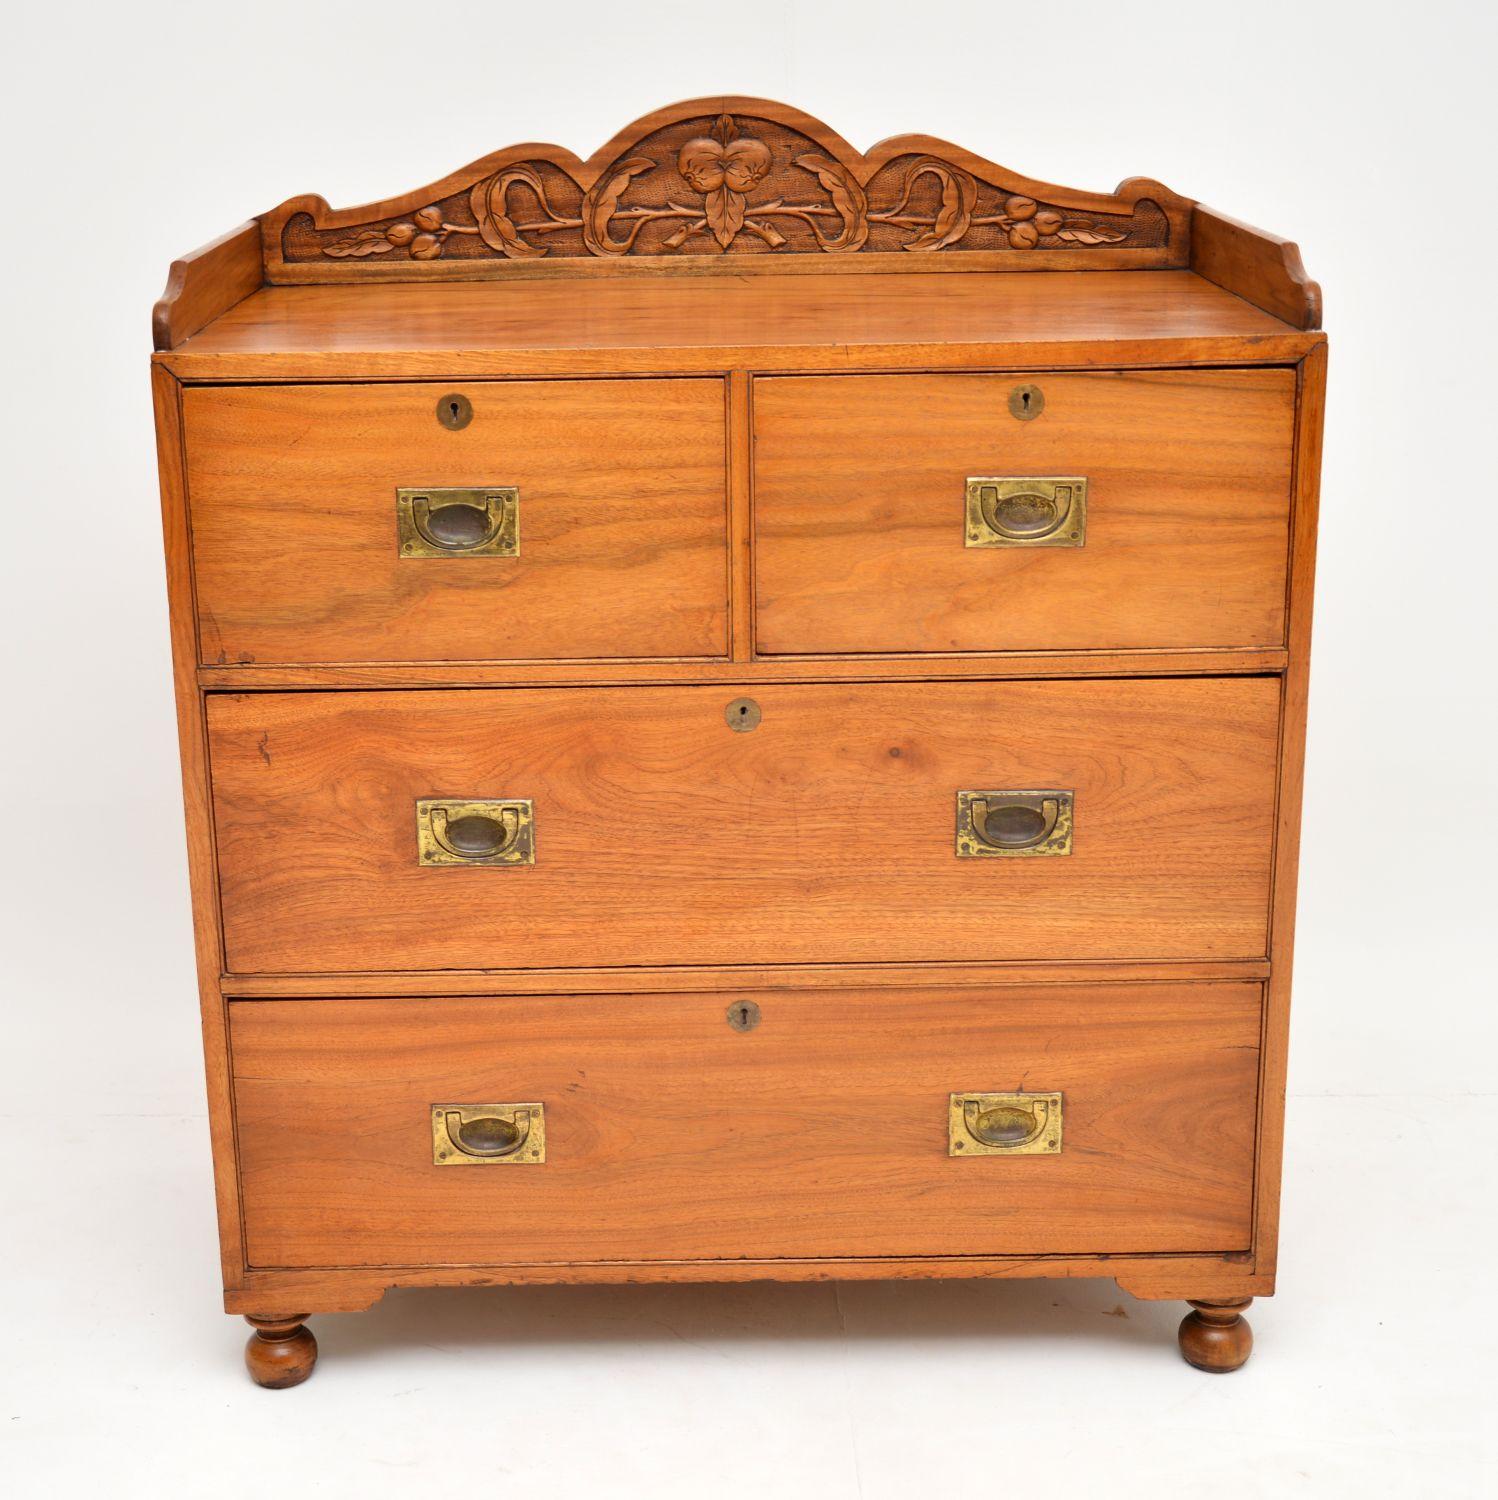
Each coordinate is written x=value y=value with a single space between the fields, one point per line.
x=454 y=411
x=743 y=1015
x=742 y=715
x=1026 y=402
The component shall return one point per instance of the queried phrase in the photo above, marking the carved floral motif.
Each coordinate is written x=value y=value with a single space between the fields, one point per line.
x=720 y=172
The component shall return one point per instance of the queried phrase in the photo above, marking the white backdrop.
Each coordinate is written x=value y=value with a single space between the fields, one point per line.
x=135 y=133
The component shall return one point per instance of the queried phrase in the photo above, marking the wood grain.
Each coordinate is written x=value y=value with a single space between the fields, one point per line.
x=1253 y=264
x=1158 y=1277
x=729 y=184
x=821 y=1132
x=678 y=978
x=681 y=324
x=871 y=667
x=859 y=497
x=825 y=835
x=202 y=861
x=202 y=286
x=710 y=532
x=1291 y=788
x=622 y=522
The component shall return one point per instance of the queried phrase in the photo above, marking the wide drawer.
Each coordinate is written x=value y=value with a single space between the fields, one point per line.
x=866 y=540
x=300 y=552
x=826 y=1130
x=655 y=834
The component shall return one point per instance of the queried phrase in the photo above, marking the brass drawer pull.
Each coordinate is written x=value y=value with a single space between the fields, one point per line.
x=1011 y=823
x=1026 y=512
x=475 y=833
x=466 y=1135
x=458 y=522
x=1004 y=1125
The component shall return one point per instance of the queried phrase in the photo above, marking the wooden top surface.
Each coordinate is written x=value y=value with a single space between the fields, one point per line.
x=684 y=322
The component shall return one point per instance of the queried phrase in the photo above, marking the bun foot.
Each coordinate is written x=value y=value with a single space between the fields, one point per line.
x=1216 y=1336
x=281 y=1352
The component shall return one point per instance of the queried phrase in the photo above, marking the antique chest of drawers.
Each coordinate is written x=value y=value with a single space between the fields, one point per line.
x=741 y=713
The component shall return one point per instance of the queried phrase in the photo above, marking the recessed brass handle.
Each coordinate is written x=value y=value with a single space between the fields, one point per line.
x=458 y=522
x=475 y=833
x=1009 y=823
x=488 y=1134
x=1026 y=512
x=1020 y=1124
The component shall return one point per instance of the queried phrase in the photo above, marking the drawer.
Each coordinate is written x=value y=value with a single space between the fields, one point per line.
x=828 y=833
x=620 y=517
x=826 y=1130
x=861 y=506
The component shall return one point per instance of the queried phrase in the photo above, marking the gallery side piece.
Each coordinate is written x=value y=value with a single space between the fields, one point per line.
x=740 y=720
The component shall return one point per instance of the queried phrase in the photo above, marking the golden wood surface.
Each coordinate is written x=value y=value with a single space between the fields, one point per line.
x=821 y=1132
x=686 y=324
x=859 y=491
x=730 y=184
x=1160 y=673
x=827 y=834
x=690 y=978
x=623 y=547
x=867 y=667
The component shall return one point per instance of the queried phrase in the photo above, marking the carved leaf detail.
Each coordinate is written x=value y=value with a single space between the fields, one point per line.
x=366 y=242
x=601 y=201
x=490 y=202
x=725 y=214
x=848 y=198
x=959 y=192
x=726 y=185
x=1089 y=234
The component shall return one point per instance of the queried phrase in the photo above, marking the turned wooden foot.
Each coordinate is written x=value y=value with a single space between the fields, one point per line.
x=281 y=1352
x=1216 y=1336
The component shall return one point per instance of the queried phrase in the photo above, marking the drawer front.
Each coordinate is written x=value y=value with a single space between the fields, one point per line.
x=861 y=512
x=654 y=834
x=619 y=514
x=669 y=1134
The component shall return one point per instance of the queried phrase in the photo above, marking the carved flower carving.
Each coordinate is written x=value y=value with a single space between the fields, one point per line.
x=723 y=167
x=708 y=164
x=935 y=206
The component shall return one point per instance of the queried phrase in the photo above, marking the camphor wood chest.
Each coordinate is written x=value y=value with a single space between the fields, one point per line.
x=741 y=713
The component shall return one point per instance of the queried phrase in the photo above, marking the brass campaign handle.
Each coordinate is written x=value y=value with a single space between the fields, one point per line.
x=1021 y=1124
x=458 y=522
x=1011 y=1124
x=1026 y=512
x=488 y=1134
x=475 y=835
x=1013 y=823
x=456 y=832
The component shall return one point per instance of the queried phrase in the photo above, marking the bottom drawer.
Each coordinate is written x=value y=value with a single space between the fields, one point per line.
x=670 y=1132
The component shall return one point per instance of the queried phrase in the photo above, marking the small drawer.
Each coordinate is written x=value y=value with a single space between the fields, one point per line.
x=497 y=521
x=659 y=1128
x=901 y=822
x=941 y=513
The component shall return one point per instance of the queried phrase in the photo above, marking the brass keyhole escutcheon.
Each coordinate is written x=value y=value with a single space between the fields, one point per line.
x=742 y=715
x=454 y=411
x=1026 y=402
x=743 y=1015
